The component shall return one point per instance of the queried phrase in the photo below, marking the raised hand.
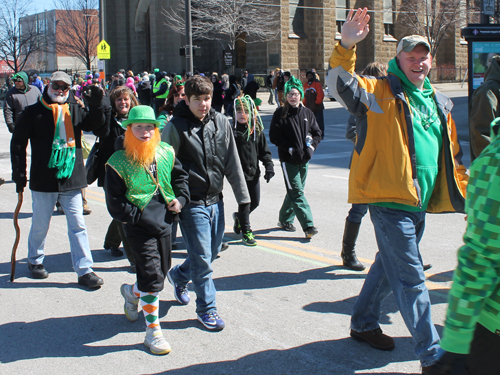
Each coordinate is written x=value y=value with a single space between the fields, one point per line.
x=355 y=28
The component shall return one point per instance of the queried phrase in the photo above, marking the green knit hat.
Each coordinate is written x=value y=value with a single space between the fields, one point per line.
x=294 y=83
x=141 y=114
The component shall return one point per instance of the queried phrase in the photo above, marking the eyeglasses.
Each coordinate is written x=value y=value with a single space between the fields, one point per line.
x=292 y=94
x=56 y=86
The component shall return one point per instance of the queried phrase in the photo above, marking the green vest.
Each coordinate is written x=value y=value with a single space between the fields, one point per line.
x=141 y=186
x=156 y=88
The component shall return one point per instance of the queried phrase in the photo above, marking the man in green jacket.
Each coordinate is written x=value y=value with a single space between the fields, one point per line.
x=471 y=337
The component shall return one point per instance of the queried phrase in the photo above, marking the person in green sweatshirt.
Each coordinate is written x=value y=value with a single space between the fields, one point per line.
x=406 y=162
x=471 y=337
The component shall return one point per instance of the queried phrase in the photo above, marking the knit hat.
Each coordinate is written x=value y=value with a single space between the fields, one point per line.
x=141 y=114
x=294 y=83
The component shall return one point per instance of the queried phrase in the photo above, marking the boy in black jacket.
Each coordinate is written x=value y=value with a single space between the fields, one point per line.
x=252 y=146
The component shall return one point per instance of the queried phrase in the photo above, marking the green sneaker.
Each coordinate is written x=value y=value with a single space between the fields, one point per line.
x=236 y=226
x=249 y=238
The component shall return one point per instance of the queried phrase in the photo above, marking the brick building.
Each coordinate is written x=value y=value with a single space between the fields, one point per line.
x=309 y=29
x=51 y=33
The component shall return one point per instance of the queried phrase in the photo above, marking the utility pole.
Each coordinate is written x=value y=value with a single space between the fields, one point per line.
x=189 y=38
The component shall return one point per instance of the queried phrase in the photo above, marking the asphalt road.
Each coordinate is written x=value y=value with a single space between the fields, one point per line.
x=286 y=302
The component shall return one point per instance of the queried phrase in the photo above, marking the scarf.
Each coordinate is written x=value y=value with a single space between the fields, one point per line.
x=423 y=106
x=62 y=157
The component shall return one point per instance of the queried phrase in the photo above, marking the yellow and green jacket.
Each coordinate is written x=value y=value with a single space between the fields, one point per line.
x=384 y=166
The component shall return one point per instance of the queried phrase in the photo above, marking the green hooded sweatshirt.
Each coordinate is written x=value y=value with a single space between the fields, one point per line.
x=428 y=135
x=24 y=77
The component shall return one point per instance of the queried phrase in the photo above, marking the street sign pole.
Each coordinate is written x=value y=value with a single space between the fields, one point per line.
x=189 y=38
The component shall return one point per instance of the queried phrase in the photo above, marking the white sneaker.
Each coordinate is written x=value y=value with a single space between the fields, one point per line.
x=156 y=343
x=131 y=302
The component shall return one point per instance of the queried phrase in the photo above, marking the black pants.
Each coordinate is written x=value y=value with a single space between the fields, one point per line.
x=244 y=210
x=484 y=351
x=115 y=236
x=152 y=258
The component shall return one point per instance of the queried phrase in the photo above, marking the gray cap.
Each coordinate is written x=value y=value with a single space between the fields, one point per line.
x=60 y=76
x=408 y=43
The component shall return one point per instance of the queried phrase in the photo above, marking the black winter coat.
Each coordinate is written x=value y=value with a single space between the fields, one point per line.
x=16 y=101
x=291 y=132
x=252 y=150
x=36 y=125
x=207 y=152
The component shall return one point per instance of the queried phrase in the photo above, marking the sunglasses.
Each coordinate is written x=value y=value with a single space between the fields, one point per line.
x=56 y=87
x=19 y=80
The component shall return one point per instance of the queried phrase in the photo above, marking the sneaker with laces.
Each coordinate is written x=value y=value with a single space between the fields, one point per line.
x=131 y=302
x=311 y=231
x=156 y=342
x=236 y=225
x=249 y=238
x=212 y=321
x=181 y=293
x=289 y=227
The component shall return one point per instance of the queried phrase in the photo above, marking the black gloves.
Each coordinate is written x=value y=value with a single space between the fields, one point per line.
x=449 y=364
x=268 y=176
x=93 y=95
x=20 y=185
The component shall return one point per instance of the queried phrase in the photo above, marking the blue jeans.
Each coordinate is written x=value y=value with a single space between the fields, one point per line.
x=398 y=268
x=203 y=229
x=357 y=212
x=43 y=207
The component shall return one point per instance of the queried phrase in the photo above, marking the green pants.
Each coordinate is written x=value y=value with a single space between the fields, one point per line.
x=295 y=203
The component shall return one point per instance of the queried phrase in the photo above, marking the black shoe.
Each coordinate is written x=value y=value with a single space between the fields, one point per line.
x=289 y=227
x=90 y=280
x=427 y=267
x=115 y=252
x=375 y=338
x=38 y=271
x=311 y=231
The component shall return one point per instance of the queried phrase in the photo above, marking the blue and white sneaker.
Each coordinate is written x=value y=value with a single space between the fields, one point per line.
x=181 y=293
x=212 y=321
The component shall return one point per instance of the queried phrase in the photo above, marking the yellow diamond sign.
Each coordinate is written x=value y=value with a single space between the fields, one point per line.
x=103 y=50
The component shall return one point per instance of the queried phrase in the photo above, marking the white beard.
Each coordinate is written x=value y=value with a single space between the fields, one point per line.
x=56 y=97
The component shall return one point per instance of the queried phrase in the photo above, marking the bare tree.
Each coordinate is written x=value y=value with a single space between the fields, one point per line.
x=78 y=29
x=248 y=21
x=18 y=41
x=435 y=19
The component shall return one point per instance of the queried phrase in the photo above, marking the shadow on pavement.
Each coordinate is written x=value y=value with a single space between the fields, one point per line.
x=266 y=280
x=65 y=337
x=343 y=356
x=10 y=215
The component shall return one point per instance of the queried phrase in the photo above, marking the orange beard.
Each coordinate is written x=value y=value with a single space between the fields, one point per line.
x=139 y=151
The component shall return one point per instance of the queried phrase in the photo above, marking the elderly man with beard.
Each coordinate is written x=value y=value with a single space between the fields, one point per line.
x=144 y=185
x=54 y=127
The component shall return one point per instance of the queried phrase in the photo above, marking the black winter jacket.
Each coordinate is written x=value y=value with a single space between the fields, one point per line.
x=207 y=152
x=16 y=101
x=252 y=150
x=291 y=132
x=36 y=125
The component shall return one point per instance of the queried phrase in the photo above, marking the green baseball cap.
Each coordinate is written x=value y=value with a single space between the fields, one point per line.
x=141 y=114
x=408 y=43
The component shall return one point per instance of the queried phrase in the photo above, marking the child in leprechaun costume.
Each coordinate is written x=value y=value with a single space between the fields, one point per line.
x=144 y=186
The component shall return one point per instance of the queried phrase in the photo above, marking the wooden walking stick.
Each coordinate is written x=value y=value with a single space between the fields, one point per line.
x=18 y=235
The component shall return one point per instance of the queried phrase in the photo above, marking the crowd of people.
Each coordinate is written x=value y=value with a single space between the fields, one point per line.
x=165 y=148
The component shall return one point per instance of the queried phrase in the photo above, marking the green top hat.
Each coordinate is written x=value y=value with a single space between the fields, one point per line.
x=141 y=114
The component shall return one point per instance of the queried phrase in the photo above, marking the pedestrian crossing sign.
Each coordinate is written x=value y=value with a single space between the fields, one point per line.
x=103 y=50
